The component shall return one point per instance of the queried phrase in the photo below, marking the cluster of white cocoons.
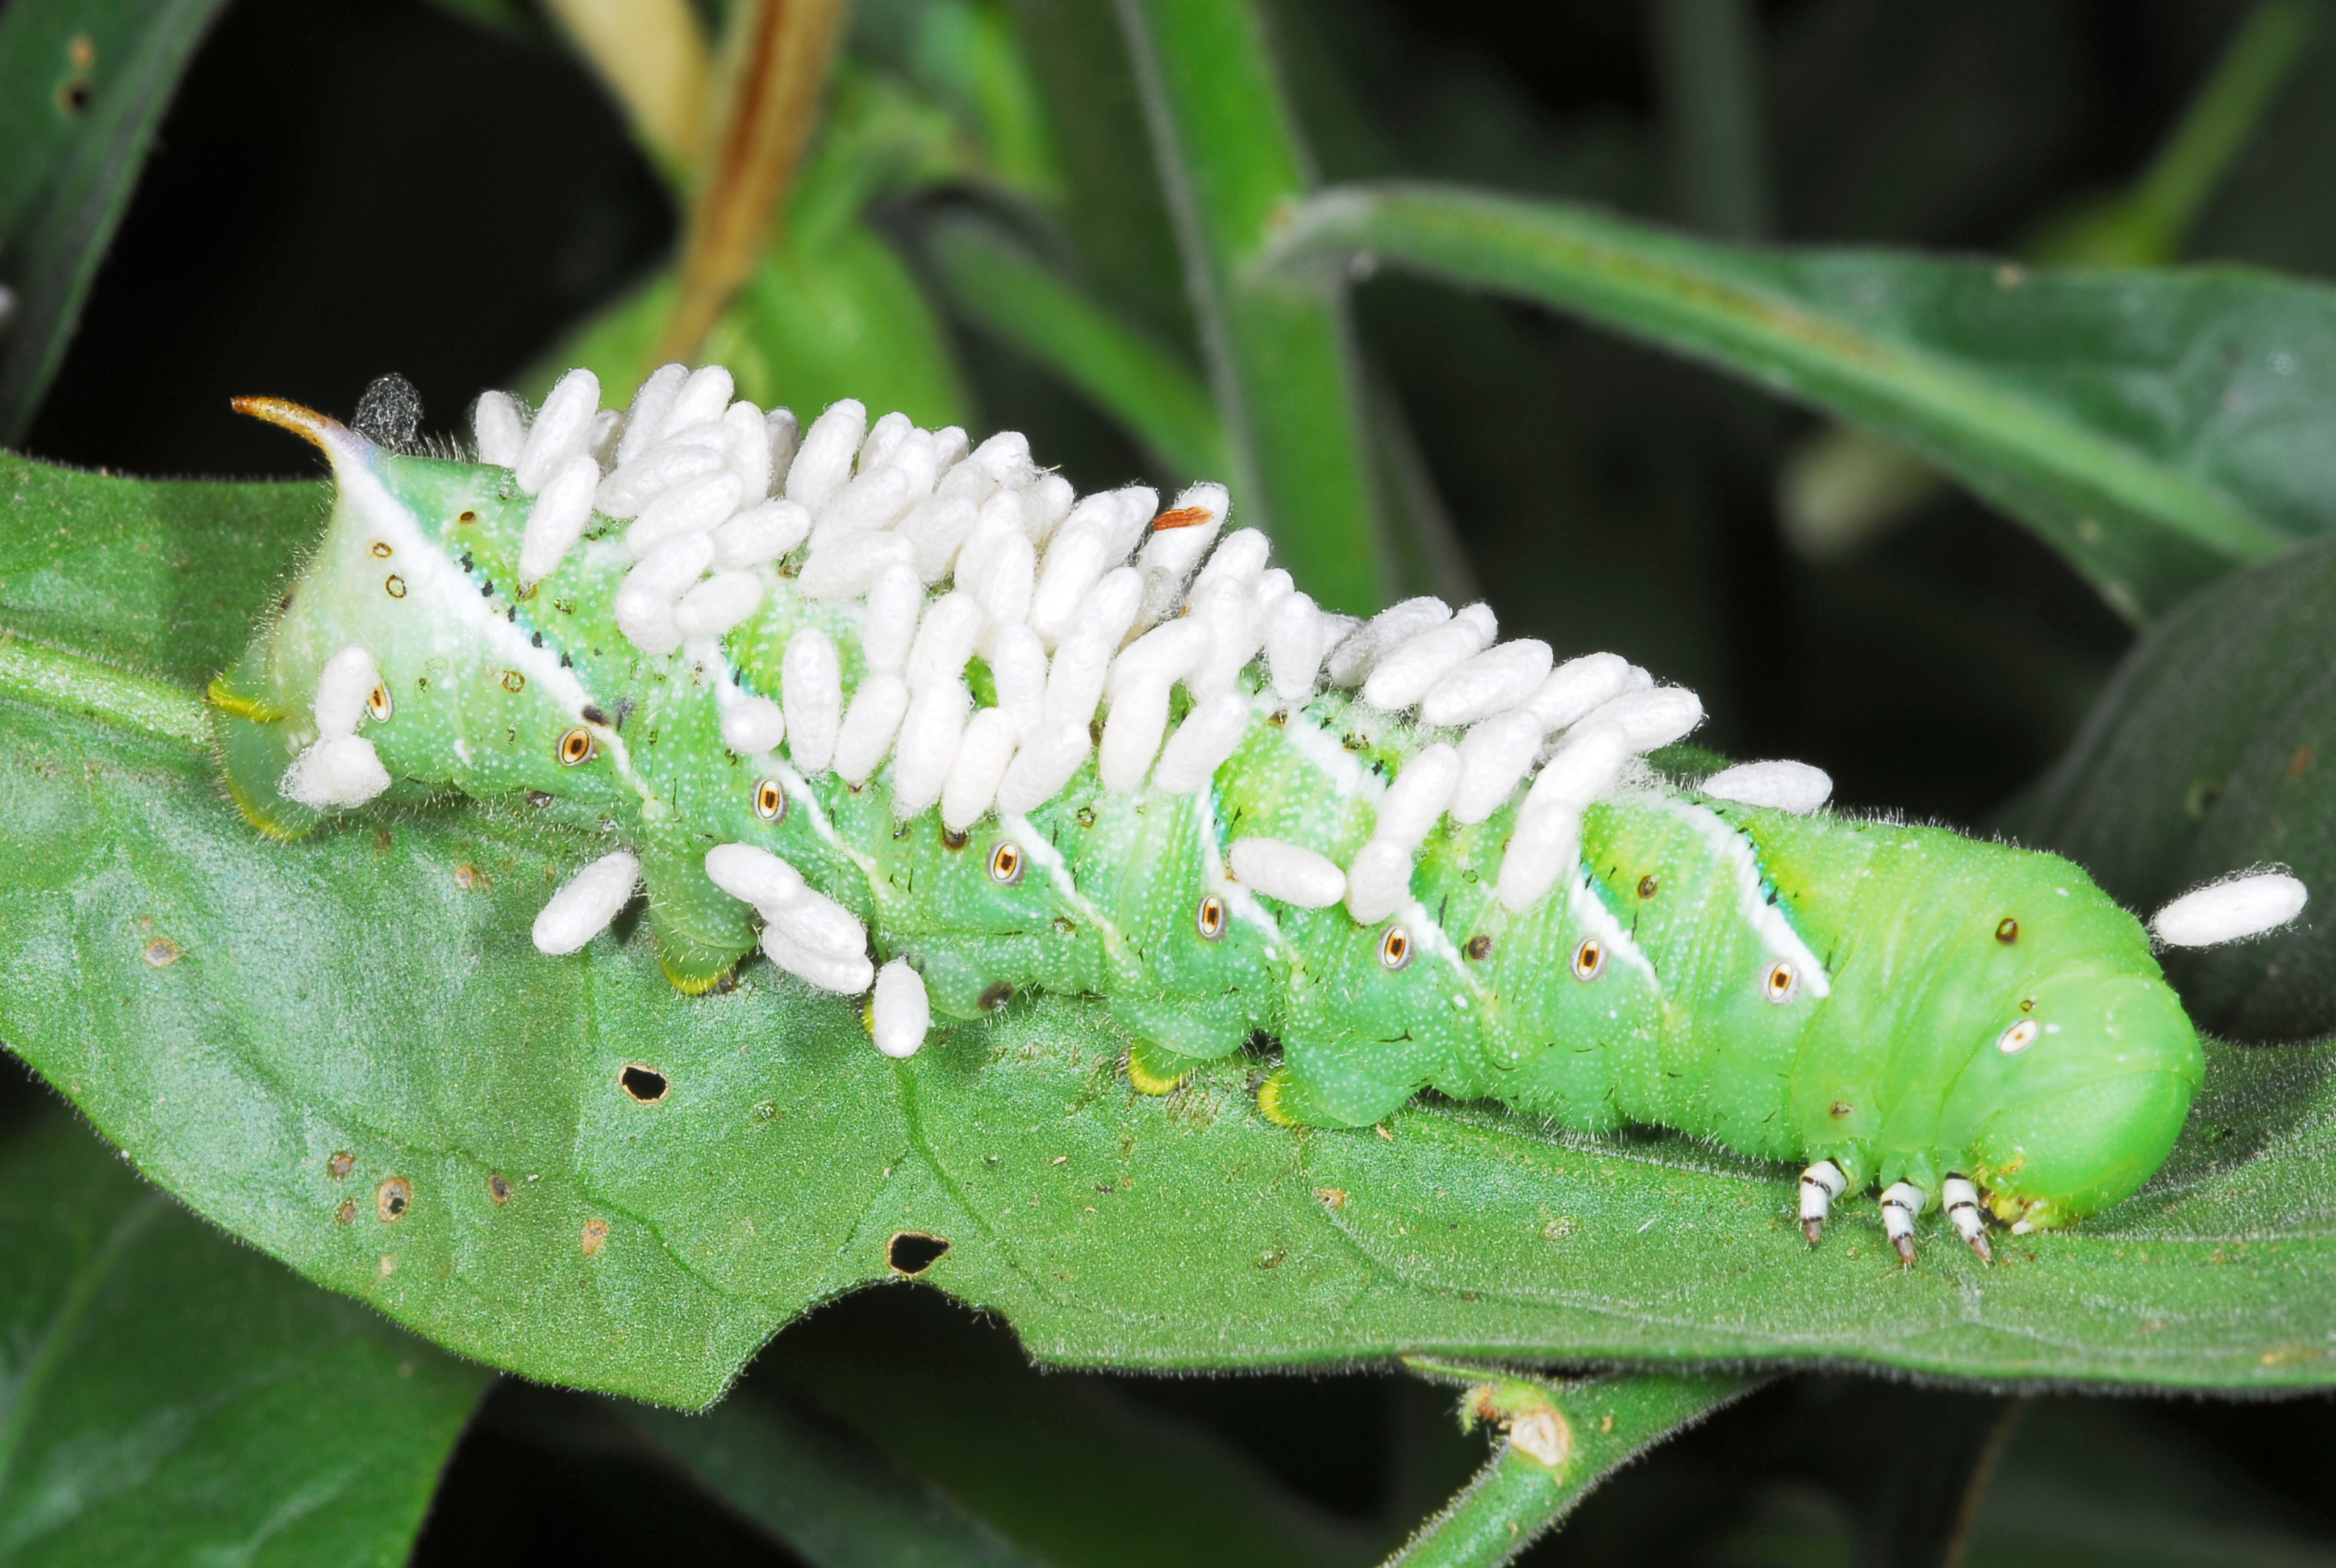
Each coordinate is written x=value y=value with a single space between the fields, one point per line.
x=339 y=768
x=944 y=551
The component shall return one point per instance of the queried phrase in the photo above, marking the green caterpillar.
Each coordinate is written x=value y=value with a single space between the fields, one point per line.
x=835 y=693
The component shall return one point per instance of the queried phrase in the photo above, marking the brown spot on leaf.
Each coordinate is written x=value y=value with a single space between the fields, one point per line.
x=596 y=1233
x=160 y=953
x=348 y=1211
x=392 y=1199
x=339 y=1166
x=498 y=1188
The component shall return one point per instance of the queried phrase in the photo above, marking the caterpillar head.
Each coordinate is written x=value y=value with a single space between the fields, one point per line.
x=2082 y=1064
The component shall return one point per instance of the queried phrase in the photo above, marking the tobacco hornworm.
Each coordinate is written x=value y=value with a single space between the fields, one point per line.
x=834 y=692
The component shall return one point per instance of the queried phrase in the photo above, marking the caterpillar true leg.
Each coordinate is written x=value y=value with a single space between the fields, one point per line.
x=1962 y=1199
x=1821 y=1184
x=1900 y=1204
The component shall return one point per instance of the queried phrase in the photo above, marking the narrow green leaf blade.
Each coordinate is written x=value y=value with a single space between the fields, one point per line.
x=835 y=1500
x=2213 y=750
x=171 y=1397
x=2154 y=427
x=82 y=86
x=1281 y=359
x=1000 y=286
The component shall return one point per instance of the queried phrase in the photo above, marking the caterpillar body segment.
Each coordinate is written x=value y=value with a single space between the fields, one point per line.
x=867 y=706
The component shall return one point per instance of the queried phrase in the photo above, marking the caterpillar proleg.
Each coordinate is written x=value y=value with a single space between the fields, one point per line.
x=901 y=713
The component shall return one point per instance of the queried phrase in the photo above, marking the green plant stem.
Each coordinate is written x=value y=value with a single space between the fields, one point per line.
x=1561 y=1442
x=1281 y=358
x=1716 y=115
x=1003 y=289
x=69 y=683
x=2222 y=120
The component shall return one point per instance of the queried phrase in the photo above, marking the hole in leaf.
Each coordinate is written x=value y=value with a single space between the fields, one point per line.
x=645 y=1084
x=912 y=1253
x=392 y=1198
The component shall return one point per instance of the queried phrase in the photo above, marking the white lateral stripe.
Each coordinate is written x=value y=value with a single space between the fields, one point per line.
x=1768 y=921
x=1599 y=921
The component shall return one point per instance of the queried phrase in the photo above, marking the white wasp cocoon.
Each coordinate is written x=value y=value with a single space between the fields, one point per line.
x=1352 y=657
x=869 y=726
x=600 y=440
x=815 y=923
x=693 y=506
x=638 y=481
x=496 y=425
x=894 y=601
x=645 y=420
x=1578 y=687
x=1584 y=768
x=562 y=511
x=810 y=689
x=1294 y=646
x=1131 y=735
x=644 y=603
x=1404 y=674
x=343 y=686
x=784 y=434
x=850 y=566
x=1290 y=872
x=752 y=726
x=337 y=771
x=1379 y=879
x=1239 y=558
x=1046 y=762
x=1788 y=786
x=846 y=977
x=982 y=756
x=760 y=533
x=1652 y=718
x=937 y=529
x=1046 y=503
x=1543 y=846
x=1480 y=616
x=1210 y=734
x=753 y=875
x=1006 y=459
x=562 y=427
x=1017 y=667
x=901 y=1015
x=586 y=903
x=749 y=453
x=1163 y=655
x=1181 y=536
x=950 y=447
x=1491 y=682
x=2229 y=911
x=1074 y=561
x=945 y=640
x=1222 y=607
x=1493 y=756
x=1421 y=791
x=701 y=399
x=874 y=500
x=884 y=437
x=1132 y=508
x=1075 y=681
x=823 y=463
x=930 y=733
x=1004 y=581
x=719 y=605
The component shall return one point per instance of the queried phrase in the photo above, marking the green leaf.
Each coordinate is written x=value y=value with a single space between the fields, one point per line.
x=167 y=1396
x=2156 y=428
x=1281 y=358
x=1561 y=1441
x=371 y=993
x=82 y=86
x=998 y=285
x=2213 y=750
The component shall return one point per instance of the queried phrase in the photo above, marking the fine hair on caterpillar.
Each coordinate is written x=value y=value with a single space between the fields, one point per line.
x=954 y=732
